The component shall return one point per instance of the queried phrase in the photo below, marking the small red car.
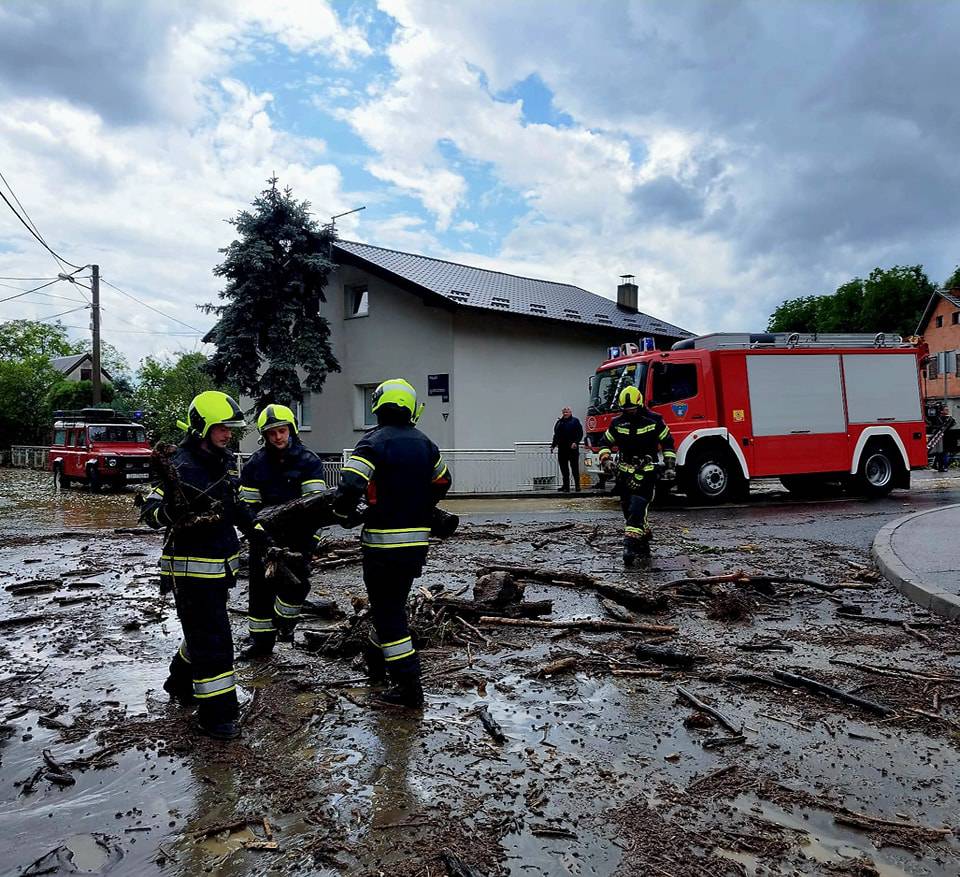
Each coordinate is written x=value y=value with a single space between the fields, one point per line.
x=99 y=447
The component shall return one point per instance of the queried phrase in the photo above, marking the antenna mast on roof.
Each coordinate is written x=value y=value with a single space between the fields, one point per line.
x=333 y=219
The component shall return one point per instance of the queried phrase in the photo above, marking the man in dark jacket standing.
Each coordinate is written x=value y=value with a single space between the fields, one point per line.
x=402 y=475
x=195 y=500
x=567 y=435
x=282 y=470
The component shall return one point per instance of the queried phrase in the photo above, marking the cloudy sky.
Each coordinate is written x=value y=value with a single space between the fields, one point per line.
x=729 y=154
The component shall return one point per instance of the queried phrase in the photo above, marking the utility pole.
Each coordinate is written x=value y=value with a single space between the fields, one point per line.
x=95 y=326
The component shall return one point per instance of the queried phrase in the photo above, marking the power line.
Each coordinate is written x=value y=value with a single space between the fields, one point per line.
x=47 y=294
x=152 y=308
x=30 y=220
x=28 y=279
x=28 y=291
x=36 y=234
x=61 y=314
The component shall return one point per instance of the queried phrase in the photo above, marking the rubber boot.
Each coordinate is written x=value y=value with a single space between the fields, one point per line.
x=284 y=630
x=228 y=730
x=407 y=691
x=177 y=692
x=376 y=665
x=255 y=651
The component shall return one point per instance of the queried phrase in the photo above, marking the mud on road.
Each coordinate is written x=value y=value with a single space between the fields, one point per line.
x=603 y=766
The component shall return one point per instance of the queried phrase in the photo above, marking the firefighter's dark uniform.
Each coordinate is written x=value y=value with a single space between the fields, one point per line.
x=637 y=436
x=271 y=477
x=199 y=563
x=403 y=476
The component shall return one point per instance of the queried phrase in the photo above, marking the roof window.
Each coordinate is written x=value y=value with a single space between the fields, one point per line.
x=571 y=314
x=538 y=308
x=499 y=302
x=602 y=318
x=459 y=295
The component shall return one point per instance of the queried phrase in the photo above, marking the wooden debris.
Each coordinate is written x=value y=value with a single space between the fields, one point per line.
x=670 y=657
x=525 y=609
x=776 y=645
x=490 y=724
x=498 y=588
x=594 y=624
x=616 y=611
x=713 y=711
x=21 y=621
x=561 y=665
x=721 y=742
x=830 y=691
x=902 y=672
x=456 y=867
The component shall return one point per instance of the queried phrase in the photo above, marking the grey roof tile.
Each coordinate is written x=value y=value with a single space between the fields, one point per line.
x=495 y=291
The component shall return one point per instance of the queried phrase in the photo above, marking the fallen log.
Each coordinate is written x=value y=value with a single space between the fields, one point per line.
x=594 y=624
x=830 y=691
x=901 y=672
x=490 y=724
x=671 y=657
x=528 y=609
x=713 y=711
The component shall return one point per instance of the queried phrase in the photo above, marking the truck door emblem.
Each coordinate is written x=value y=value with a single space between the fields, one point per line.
x=680 y=408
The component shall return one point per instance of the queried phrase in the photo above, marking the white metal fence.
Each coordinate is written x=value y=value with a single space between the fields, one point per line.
x=527 y=467
x=28 y=457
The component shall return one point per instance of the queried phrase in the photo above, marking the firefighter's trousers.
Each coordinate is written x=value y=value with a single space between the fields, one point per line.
x=389 y=577
x=203 y=664
x=275 y=602
x=635 y=498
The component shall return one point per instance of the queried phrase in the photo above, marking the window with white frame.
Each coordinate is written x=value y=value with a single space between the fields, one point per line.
x=366 y=418
x=357 y=302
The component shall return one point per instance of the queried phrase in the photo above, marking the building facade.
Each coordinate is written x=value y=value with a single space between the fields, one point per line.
x=78 y=367
x=494 y=356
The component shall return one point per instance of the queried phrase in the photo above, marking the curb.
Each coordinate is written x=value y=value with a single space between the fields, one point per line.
x=907 y=581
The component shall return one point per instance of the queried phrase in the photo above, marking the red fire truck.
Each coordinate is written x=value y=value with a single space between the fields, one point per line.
x=808 y=409
x=98 y=447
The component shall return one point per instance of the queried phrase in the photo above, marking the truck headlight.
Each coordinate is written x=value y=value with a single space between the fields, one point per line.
x=112 y=463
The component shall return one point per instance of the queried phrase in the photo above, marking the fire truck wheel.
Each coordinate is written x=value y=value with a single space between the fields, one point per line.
x=61 y=480
x=877 y=471
x=711 y=476
x=93 y=479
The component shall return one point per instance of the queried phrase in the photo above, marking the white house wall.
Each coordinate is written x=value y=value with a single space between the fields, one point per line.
x=514 y=374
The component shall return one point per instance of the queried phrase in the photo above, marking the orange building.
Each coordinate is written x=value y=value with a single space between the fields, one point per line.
x=940 y=328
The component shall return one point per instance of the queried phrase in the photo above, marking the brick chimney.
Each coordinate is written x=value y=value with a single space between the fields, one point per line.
x=628 y=294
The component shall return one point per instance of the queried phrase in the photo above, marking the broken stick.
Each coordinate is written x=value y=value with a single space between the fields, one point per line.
x=830 y=691
x=594 y=624
x=706 y=708
x=490 y=724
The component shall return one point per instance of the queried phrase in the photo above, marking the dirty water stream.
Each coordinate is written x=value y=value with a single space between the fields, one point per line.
x=599 y=774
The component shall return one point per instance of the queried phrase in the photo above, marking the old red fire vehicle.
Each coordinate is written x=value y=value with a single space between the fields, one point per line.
x=807 y=409
x=98 y=447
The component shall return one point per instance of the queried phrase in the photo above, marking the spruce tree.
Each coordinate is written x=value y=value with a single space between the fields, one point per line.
x=270 y=329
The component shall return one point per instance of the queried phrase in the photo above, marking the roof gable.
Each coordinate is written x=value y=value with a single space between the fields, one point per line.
x=480 y=288
x=952 y=296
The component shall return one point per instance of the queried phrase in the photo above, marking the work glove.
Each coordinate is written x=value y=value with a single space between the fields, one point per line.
x=670 y=469
x=609 y=466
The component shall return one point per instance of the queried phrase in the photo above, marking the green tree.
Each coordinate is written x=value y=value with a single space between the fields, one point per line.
x=953 y=281
x=20 y=339
x=165 y=388
x=889 y=300
x=893 y=300
x=797 y=315
x=270 y=326
x=73 y=395
x=111 y=359
x=26 y=377
x=24 y=411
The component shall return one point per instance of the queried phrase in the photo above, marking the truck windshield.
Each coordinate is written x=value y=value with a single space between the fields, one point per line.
x=117 y=434
x=605 y=386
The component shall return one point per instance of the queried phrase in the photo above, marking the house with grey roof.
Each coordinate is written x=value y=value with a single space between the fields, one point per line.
x=494 y=356
x=78 y=367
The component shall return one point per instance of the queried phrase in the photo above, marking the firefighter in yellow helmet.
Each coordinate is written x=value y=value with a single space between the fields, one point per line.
x=402 y=475
x=639 y=434
x=282 y=470
x=195 y=499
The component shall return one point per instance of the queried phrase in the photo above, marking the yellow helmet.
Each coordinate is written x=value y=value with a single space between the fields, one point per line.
x=400 y=393
x=210 y=408
x=273 y=416
x=630 y=396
